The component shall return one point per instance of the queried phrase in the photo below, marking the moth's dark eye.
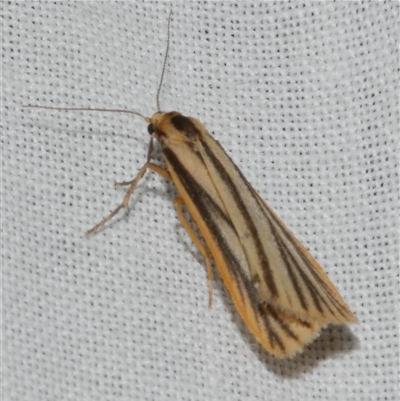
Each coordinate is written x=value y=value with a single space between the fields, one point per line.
x=150 y=129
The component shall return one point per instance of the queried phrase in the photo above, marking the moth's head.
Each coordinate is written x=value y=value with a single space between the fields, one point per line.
x=174 y=127
x=158 y=122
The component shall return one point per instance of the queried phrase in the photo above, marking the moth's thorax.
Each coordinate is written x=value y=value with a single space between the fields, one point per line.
x=172 y=128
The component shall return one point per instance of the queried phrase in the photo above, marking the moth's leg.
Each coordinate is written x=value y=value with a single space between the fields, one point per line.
x=199 y=245
x=128 y=194
x=157 y=169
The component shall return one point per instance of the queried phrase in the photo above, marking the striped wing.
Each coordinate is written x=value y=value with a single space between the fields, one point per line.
x=289 y=277
x=280 y=291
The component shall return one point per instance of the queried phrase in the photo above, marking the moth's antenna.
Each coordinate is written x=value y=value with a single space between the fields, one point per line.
x=165 y=62
x=32 y=106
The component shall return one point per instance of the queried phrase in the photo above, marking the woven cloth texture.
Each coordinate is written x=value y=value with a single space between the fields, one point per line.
x=302 y=95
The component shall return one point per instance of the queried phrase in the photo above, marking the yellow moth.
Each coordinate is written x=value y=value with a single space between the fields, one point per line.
x=278 y=288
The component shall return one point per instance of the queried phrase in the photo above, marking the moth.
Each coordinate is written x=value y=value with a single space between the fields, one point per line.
x=277 y=287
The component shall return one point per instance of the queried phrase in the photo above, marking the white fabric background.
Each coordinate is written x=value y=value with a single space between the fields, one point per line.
x=303 y=96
